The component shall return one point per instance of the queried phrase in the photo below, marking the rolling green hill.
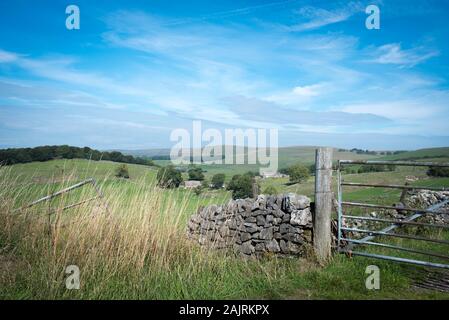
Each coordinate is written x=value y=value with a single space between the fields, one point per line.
x=306 y=155
x=78 y=169
x=429 y=153
x=286 y=157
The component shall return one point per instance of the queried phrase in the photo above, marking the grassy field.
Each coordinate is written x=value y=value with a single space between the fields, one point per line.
x=432 y=153
x=286 y=157
x=137 y=249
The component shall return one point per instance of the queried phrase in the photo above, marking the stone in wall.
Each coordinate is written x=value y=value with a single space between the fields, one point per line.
x=275 y=224
x=425 y=199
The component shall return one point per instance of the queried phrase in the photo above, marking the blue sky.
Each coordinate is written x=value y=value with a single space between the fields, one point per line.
x=136 y=70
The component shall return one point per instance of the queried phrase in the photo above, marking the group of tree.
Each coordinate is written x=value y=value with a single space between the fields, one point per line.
x=169 y=177
x=438 y=172
x=361 y=151
x=369 y=168
x=242 y=185
x=195 y=173
x=370 y=152
x=298 y=172
x=46 y=153
x=372 y=168
x=218 y=180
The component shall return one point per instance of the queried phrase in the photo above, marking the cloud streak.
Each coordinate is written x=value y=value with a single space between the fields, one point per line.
x=316 y=18
x=392 y=53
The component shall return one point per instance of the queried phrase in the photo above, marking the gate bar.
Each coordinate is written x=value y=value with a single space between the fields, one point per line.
x=385 y=231
x=51 y=196
x=393 y=186
x=74 y=205
x=398 y=221
x=394 y=226
x=367 y=205
x=65 y=190
x=405 y=236
x=389 y=246
x=339 y=208
x=397 y=259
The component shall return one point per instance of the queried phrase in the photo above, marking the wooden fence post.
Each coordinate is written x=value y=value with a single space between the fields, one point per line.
x=323 y=204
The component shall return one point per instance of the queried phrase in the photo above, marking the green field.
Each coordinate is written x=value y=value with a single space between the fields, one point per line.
x=42 y=178
x=422 y=154
x=140 y=252
x=286 y=157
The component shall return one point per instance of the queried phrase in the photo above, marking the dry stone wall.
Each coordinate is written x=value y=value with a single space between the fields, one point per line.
x=277 y=224
x=425 y=198
x=422 y=199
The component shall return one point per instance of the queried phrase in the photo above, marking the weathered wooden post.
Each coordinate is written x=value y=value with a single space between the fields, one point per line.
x=255 y=188
x=323 y=204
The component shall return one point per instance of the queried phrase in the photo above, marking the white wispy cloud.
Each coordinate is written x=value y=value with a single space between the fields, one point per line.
x=299 y=94
x=400 y=110
x=316 y=18
x=6 y=56
x=392 y=53
x=257 y=110
x=421 y=115
x=314 y=82
x=307 y=91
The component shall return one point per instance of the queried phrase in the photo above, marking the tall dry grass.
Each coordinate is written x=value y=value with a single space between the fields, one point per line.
x=129 y=245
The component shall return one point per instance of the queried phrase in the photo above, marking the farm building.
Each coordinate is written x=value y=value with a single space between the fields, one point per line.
x=266 y=175
x=191 y=184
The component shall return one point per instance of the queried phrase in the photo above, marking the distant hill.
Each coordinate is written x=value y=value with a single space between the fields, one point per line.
x=429 y=153
x=306 y=154
x=287 y=155
x=146 y=153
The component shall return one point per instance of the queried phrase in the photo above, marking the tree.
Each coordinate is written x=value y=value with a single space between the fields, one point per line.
x=298 y=173
x=438 y=172
x=391 y=167
x=271 y=190
x=122 y=171
x=168 y=177
x=241 y=186
x=252 y=174
x=23 y=156
x=372 y=168
x=204 y=184
x=196 y=173
x=198 y=190
x=218 y=181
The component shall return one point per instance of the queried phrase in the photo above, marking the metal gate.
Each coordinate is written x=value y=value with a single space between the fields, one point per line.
x=346 y=244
